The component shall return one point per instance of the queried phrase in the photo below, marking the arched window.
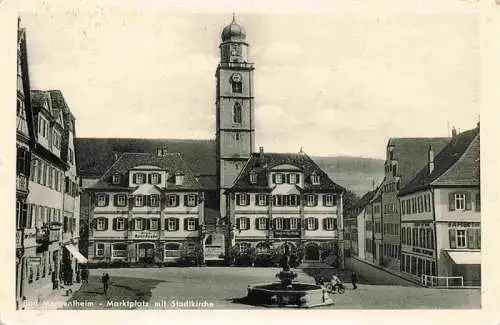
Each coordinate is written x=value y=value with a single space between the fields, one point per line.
x=237 y=113
x=237 y=87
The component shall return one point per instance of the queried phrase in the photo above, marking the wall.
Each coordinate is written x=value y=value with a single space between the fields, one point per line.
x=361 y=233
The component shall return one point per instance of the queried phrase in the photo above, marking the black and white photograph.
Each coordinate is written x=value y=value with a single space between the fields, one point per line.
x=197 y=158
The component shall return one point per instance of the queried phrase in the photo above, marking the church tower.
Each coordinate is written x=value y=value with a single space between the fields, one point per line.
x=234 y=108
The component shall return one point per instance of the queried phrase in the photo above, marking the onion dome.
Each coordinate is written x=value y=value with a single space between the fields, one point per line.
x=233 y=32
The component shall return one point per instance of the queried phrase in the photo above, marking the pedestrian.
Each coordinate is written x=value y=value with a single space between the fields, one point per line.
x=105 y=282
x=84 y=275
x=70 y=276
x=54 y=280
x=354 y=279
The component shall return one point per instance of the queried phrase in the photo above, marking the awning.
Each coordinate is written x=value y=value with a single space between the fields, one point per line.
x=467 y=257
x=76 y=254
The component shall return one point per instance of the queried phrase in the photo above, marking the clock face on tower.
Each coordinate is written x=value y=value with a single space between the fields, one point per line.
x=236 y=77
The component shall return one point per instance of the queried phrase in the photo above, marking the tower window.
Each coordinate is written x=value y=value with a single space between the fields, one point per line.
x=237 y=113
x=237 y=136
x=237 y=87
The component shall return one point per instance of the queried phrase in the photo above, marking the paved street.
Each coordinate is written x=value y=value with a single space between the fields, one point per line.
x=191 y=287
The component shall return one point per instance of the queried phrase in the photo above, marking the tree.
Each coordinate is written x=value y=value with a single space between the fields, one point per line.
x=349 y=200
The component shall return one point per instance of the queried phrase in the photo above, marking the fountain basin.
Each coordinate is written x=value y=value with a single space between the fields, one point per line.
x=303 y=295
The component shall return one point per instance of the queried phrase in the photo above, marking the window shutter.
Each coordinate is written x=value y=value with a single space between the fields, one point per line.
x=324 y=224
x=131 y=224
x=238 y=225
x=134 y=178
x=257 y=224
x=159 y=178
x=106 y=199
x=267 y=199
x=177 y=199
x=257 y=199
x=468 y=201
x=470 y=238
x=335 y=225
x=150 y=178
x=273 y=178
x=453 y=239
x=105 y=223
x=248 y=199
x=297 y=200
x=115 y=223
x=147 y=200
x=478 y=238
x=247 y=223
x=288 y=178
x=115 y=200
x=186 y=224
x=478 y=201
x=125 y=224
x=451 y=202
x=316 y=224
x=176 y=224
x=185 y=200
x=196 y=224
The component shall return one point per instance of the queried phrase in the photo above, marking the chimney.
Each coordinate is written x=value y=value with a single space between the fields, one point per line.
x=453 y=133
x=431 y=160
x=261 y=156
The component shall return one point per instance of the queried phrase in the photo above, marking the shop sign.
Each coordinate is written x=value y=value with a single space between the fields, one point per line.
x=287 y=233
x=146 y=235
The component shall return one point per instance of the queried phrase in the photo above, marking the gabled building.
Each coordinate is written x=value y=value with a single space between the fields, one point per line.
x=146 y=208
x=405 y=157
x=440 y=214
x=283 y=199
x=356 y=221
x=25 y=140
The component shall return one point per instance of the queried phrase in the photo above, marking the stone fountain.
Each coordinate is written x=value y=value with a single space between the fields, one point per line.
x=287 y=293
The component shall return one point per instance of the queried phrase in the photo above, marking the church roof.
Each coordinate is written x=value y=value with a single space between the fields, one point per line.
x=456 y=165
x=261 y=167
x=95 y=155
x=172 y=162
x=233 y=32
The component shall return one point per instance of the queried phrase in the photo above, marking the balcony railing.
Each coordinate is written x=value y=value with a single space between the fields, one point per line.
x=22 y=183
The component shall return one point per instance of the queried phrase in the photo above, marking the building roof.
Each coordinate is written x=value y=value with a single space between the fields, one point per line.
x=172 y=162
x=456 y=165
x=411 y=154
x=95 y=155
x=365 y=199
x=271 y=160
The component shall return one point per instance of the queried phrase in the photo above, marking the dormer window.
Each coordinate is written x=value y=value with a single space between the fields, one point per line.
x=293 y=178
x=139 y=178
x=155 y=178
x=179 y=179
x=278 y=178
x=315 y=179
x=253 y=178
x=116 y=179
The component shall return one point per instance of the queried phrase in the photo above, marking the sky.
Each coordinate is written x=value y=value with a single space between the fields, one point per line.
x=335 y=84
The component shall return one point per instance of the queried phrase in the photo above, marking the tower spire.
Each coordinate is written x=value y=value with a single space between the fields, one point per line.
x=234 y=17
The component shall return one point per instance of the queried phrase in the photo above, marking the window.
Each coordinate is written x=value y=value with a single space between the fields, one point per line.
x=329 y=200
x=403 y=207
x=50 y=177
x=119 y=250
x=70 y=155
x=236 y=112
x=278 y=223
x=311 y=200
x=311 y=223
x=262 y=223
x=191 y=200
x=172 y=200
x=100 y=224
x=294 y=223
x=116 y=179
x=171 y=224
x=237 y=87
x=460 y=201
x=139 y=178
x=478 y=201
x=153 y=224
x=278 y=179
x=330 y=224
x=191 y=225
x=99 y=249
x=461 y=238
x=241 y=199
x=243 y=247
x=120 y=224
x=237 y=136
x=253 y=178
x=261 y=199
x=243 y=223
x=139 y=201
x=172 y=250
x=57 y=140
x=121 y=200
x=293 y=178
x=155 y=178
x=101 y=200
x=138 y=224
x=155 y=200
x=315 y=179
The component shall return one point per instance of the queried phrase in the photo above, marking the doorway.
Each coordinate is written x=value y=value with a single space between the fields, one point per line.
x=146 y=252
x=312 y=252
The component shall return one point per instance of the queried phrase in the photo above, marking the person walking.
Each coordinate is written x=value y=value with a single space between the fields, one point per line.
x=84 y=275
x=105 y=282
x=354 y=279
x=54 y=280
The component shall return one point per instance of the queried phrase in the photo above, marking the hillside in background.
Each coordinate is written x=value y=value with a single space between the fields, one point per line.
x=353 y=173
